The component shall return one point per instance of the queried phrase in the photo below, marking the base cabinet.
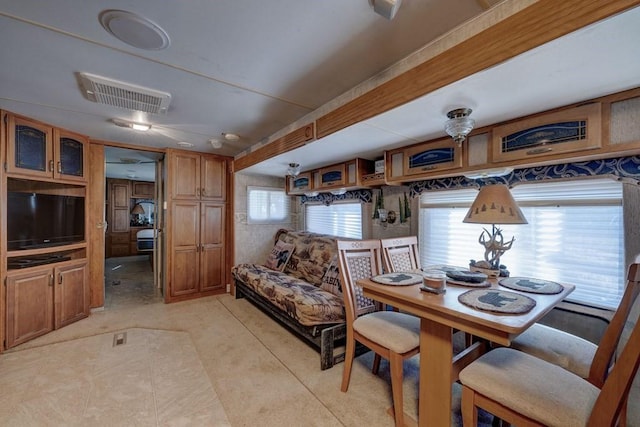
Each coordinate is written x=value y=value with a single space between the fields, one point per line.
x=197 y=252
x=71 y=294
x=29 y=305
x=42 y=299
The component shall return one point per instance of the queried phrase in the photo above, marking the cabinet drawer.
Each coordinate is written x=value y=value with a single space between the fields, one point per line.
x=119 y=238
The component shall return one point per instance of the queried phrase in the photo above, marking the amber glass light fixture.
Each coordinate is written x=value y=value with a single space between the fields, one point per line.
x=493 y=205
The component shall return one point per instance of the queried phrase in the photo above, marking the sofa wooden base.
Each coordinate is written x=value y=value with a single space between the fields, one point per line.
x=329 y=340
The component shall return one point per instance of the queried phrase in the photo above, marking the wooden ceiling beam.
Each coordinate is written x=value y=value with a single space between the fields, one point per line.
x=291 y=141
x=527 y=29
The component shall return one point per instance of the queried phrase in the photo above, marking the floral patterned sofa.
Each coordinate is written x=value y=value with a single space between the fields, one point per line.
x=302 y=293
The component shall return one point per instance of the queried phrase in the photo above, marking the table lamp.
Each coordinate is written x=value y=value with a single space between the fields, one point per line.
x=137 y=211
x=493 y=205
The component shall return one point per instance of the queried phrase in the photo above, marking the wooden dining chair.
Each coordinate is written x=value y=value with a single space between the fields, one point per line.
x=584 y=358
x=523 y=389
x=400 y=254
x=390 y=334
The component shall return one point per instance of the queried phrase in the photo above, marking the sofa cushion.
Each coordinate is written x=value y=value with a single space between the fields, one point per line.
x=331 y=279
x=279 y=255
x=307 y=304
x=312 y=255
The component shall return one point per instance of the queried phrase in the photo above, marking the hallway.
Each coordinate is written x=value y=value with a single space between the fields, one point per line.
x=129 y=282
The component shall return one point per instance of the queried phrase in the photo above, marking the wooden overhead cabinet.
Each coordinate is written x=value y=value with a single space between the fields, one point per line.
x=569 y=131
x=142 y=190
x=36 y=150
x=197 y=176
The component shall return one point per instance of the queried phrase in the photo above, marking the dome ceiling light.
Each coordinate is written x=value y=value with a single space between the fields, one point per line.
x=293 y=170
x=459 y=124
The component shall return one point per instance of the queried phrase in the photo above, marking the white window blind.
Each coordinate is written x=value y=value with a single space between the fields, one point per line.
x=574 y=235
x=338 y=219
x=266 y=205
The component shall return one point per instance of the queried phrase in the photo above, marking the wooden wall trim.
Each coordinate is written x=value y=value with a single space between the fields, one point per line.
x=291 y=141
x=124 y=145
x=529 y=28
x=96 y=225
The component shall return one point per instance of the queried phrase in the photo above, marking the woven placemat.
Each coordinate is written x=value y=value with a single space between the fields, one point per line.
x=534 y=286
x=398 y=279
x=497 y=301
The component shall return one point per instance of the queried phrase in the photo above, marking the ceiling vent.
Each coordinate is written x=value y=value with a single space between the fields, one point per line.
x=124 y=95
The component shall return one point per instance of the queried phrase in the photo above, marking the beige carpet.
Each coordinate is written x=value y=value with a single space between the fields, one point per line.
x=261 y=373
x=133 y=377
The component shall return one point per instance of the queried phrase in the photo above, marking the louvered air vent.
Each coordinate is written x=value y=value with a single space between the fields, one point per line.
x=124 y=95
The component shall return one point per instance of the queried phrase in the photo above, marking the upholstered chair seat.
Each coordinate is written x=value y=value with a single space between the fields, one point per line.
x=520 y=382
x=398 y=332
x=568 y=351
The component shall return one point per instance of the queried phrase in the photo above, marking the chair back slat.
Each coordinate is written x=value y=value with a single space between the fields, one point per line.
x=358 y=260
x=400 y=254
x=615 y=390
x=610 y=339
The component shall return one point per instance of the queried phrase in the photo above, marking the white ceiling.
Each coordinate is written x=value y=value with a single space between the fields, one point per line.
x=252 y=68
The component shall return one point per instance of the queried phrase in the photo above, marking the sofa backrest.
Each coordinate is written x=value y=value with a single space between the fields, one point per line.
x=312 y=255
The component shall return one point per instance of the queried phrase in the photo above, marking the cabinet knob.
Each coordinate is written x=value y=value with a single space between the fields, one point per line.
x=59 y=167
x=203 y=192
x=50 y=165
x=198 y=191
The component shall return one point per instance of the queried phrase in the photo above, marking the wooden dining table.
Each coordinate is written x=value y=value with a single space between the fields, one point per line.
x=440 y=315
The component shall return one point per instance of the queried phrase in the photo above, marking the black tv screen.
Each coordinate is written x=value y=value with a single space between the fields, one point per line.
x=36 y=220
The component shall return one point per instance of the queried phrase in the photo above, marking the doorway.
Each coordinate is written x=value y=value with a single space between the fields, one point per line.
x=133 y=209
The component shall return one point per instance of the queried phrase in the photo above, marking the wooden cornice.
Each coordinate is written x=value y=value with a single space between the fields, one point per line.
x=291 y=141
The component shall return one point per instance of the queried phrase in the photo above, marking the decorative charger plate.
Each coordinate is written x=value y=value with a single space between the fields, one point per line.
x=497 y=301
x=484 y=284
x=534 y=286
x=398 y=279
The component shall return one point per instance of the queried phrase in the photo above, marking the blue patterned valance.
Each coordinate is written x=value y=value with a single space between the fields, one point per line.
x=627 y=168
x=364 y=196
x=621 y=168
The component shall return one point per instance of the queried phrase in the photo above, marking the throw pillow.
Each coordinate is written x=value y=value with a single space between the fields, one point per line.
x=279 y=255
x=331 y=279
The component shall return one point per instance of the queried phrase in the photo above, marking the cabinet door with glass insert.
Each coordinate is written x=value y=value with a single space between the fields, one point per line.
x=29 y=148
x=69 y=155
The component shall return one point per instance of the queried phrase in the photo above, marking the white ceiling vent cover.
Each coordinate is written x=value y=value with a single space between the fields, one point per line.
x=124 y=95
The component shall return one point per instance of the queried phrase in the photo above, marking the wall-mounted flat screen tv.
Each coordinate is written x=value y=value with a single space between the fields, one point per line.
x=36 y=220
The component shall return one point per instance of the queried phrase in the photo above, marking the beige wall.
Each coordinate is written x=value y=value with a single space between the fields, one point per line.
x=254 y=241
x=374 y=229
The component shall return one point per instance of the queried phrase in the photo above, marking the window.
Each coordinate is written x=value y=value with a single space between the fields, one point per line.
x=338 y=219
x=575 y=235
x=267 y=205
